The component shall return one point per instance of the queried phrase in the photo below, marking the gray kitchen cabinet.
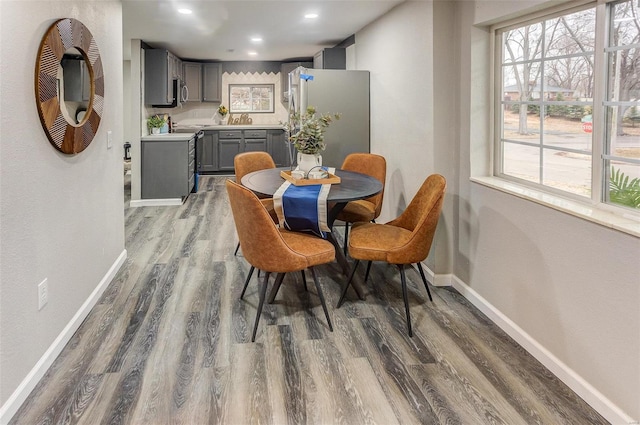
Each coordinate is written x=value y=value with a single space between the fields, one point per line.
x=177 y=72
x=230 y=144
x=255 y=140
x=193 y=81
x=207 y=152
x=278 y=147
x=158 y=77
x=168 y=168
x=330 y=58
x=218 y=148
x=212 y=82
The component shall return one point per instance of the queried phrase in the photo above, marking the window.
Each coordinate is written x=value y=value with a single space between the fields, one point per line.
x=568 y=118
x=251 y=98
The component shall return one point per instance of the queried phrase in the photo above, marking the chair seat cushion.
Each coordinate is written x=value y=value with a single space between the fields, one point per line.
x=317 y=250
x=373 y=242
x=360 y=210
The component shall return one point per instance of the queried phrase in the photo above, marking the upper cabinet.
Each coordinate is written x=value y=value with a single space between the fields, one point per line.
x=193 y=81
x=159 y=66
x=212 y=82
x=333 y=58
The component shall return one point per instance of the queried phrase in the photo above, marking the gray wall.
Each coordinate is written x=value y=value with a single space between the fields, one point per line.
x=62 y=215
x=566 y=288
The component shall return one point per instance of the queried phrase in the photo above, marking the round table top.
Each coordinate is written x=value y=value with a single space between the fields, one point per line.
x=352 y=186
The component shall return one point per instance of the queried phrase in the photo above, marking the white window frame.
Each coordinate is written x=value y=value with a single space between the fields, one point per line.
x=556 y=198
x=270 y=109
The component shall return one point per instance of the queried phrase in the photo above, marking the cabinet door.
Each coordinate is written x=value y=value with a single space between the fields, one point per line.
x=193 y=77
x=164 y=169
x=278 y=147
x=255 y=145
x=158 y=84
x=227 y=151
x=212 y=82
x=207 y=152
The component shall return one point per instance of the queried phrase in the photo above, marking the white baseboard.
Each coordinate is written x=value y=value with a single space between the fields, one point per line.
x=27 y=385
x=586 y=391
x=155 y=202
x=436 y=279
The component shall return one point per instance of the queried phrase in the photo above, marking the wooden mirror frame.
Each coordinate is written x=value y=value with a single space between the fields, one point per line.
x=65 y=34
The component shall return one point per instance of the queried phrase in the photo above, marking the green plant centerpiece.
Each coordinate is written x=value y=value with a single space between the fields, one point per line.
x=306 y=134
x=156 y=122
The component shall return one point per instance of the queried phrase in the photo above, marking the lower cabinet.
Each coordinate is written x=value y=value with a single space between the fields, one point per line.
x=278 y=147
x=207 y=152
x=218 y=148
x=167 y=168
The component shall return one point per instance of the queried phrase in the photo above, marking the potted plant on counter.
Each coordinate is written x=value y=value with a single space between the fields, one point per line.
x=223 y=111
x=306 y=133
x=155 y=123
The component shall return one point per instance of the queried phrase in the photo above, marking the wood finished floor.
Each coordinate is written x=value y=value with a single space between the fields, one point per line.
x=169 y=343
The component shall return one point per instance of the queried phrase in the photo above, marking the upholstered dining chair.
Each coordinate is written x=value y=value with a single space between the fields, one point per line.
x=403 y=241
x=248 y=162
x=364 y=209
x=273 y=249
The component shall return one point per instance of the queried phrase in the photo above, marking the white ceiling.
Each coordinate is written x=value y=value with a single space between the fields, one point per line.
x=222 y=30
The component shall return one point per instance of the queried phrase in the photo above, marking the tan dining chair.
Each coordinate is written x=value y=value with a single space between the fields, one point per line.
x=248 y=162
x=403 y=241
x=272 y=249
x=364 y=209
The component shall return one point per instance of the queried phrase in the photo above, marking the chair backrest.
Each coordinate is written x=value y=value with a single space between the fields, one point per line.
x=372 y=165
x=262 y=244
x=421 y=218
x=248 y=162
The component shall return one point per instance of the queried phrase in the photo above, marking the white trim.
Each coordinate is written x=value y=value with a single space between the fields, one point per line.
x=27 y=385
x=579 y=385
x=436 y=279
x=604 y=215
x=155 y=202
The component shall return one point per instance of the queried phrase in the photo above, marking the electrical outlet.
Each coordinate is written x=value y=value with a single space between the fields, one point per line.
x=109 y=139
x=43 y=294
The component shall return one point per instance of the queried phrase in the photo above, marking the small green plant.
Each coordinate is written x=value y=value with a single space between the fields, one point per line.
x=623 y=191
x=156 y=121
x=306 y=131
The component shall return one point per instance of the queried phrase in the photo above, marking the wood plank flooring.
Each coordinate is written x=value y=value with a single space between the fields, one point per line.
x=169 y=343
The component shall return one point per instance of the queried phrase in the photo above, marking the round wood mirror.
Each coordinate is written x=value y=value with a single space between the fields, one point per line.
x=69 y=85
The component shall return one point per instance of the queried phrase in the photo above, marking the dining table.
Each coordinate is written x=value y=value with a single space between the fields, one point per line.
x=352 y=186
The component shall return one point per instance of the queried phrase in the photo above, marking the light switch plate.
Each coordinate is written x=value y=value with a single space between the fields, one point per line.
x=109 y=139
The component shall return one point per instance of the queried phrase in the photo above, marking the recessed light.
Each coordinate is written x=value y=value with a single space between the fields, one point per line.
x=252 y=53
x=311 y=16
x=185 y=11
x=256 y=39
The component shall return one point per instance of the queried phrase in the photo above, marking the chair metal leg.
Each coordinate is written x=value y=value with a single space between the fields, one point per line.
x=304 y=280
x=237 y=248
x=346 y=286
x=406 y=298
x=324 y=305
x=246 y=282
x=424 y=280
x=366 y=275
x=263 y=292
x=276 y=287
x=346 y=237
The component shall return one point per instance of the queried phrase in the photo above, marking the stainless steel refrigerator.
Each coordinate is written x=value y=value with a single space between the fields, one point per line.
x=335 y=91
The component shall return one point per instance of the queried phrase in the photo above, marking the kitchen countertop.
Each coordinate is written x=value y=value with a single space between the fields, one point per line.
x=192 y=128
x=174 y=137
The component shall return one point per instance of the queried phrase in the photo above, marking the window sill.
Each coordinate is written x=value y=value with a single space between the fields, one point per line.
x=624 y=222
